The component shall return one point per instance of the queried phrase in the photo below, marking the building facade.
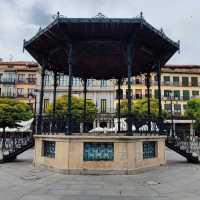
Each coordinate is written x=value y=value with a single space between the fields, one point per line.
x=102 y=92
x=179 y=83
x=19 y=80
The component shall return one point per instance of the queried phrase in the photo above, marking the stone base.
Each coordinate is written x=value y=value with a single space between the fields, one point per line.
x=116 y=154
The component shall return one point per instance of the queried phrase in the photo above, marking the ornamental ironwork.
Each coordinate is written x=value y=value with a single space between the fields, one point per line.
x=49 y=149
x=100 y=15
x=98 y=152
x=149 y=150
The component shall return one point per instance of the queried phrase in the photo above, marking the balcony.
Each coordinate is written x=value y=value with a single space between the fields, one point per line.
x=8 y=81
x=9 y=95
x=31 y=81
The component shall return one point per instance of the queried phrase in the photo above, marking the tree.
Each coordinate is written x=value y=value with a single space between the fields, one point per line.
x=11 y=112
x=140 y=108
x=193 y=112
x=77 y=108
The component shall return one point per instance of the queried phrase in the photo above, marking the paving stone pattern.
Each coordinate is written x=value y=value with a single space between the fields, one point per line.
x=177 y=180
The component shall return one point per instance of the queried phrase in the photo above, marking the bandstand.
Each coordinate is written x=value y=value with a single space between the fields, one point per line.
x=100 y=48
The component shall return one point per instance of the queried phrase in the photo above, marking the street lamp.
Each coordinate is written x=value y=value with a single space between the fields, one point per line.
x=171 y=99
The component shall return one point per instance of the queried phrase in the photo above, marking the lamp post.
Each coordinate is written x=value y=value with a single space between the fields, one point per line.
x=171 y=100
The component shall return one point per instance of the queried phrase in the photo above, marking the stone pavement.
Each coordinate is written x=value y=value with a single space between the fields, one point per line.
x=177 y=180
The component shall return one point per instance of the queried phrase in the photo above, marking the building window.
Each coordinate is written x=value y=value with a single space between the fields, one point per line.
x=185 y=81
x=21 y=78
x=167 y=107
x=195 y=93
x=63 y=80
x=46 y=104
x=103 y=105
x=177 y=109
x=156 y=78
x=20 y=92
x=156 y=94
x=176 y=81
x=9 y=77
x=49 y=149
x=32 y=78
x=47 y=80
x=76 y=82
x=127 y=93
x=146 y=93
x=89 y=83
x=186 y=95
x=138 y=80
x=138 y=94
x=119 y=94
x=167 y=93
x=176 y=94
x=9 y=92
x=194 y=81
x=31 y=91
x=103 y=83
x=1 y=75
x=166 y=80
x=98 y=151
x=149 y=150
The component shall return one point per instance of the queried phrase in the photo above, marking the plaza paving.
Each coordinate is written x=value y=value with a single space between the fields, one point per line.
x=177 y=180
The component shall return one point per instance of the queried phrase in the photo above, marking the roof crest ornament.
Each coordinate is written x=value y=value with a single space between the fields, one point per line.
x=100 y=15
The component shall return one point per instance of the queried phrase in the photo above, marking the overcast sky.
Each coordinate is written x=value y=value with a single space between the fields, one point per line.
x=180 y=20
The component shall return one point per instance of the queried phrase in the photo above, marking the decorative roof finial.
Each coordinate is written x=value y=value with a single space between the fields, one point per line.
x=141 y=15
x=24 y=41
x=179 y=48
x=58 y=14
x=100 y=15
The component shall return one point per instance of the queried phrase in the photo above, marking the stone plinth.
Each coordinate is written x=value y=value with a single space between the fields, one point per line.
x=89 y=154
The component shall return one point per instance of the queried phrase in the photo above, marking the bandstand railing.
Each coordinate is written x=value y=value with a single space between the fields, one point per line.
x=14 y=143
x=110 y=124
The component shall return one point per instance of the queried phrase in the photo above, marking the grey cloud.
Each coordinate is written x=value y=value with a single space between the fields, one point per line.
x=39 y=16
x=179 y=19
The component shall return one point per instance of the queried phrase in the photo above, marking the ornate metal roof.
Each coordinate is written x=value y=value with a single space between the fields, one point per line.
x=99 y=46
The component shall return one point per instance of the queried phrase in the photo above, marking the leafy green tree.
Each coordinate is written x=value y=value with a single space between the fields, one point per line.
x=77 y=108
x=193 y=112
x=11 y=112
x=140 y=108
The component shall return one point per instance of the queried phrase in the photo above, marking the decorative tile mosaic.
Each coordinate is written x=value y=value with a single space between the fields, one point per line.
x=98 y=151
x=149 y=150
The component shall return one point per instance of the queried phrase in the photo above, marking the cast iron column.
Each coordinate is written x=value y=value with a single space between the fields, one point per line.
x=118 y=108
x=84 y=109
x=54 y=93
x=41 y=98
x=69 y=108
x=129 y=59
x=159 y=95
x=148 y=100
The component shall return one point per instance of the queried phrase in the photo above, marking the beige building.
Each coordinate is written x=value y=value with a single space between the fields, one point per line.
x=18 y=80
x=178 y=82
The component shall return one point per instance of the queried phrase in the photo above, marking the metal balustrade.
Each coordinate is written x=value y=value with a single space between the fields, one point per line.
x=12 y=144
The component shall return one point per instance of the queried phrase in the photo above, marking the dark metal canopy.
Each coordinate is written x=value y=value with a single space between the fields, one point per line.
x=99 y=46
